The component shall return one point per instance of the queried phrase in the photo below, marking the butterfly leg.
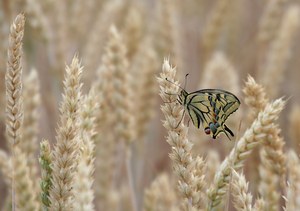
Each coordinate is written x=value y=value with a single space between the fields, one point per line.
x=180 y=119
x=173 y=101
x=228 y=130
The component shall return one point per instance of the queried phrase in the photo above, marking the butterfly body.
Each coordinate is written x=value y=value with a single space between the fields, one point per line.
x=211 y=108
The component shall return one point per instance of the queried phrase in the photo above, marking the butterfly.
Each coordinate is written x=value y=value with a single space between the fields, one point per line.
x=211 y=108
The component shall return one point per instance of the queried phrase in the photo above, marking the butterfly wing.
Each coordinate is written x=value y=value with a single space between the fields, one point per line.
x=198 y=109
x=212 y=107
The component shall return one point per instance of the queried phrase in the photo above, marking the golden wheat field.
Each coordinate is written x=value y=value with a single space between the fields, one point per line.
x=97 y=113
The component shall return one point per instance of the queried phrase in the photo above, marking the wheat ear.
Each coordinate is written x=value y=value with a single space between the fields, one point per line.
x=66 y=151
x=280 y=51
x=84 y=181
x=30 y=127
x=160 y=195
x=187 y=168
x=13 y=82
x=241 y=198
x=293 y=193
x=253 y=136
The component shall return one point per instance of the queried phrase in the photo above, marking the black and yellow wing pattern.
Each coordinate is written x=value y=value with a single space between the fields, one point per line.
x=211 y=108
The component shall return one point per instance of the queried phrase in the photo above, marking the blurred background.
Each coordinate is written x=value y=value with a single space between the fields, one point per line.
x=217 y=42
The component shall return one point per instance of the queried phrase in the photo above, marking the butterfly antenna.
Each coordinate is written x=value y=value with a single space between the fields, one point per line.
x=174 y=84
x=185 y=80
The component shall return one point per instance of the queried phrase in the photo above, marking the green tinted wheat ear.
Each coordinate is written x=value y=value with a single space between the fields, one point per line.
x=188 y=169
x=45 y=160
x=66 y=150
x=252 y=137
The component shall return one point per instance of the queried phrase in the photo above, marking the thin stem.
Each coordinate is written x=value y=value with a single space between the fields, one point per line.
x=130 y=180
x=13 y=185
